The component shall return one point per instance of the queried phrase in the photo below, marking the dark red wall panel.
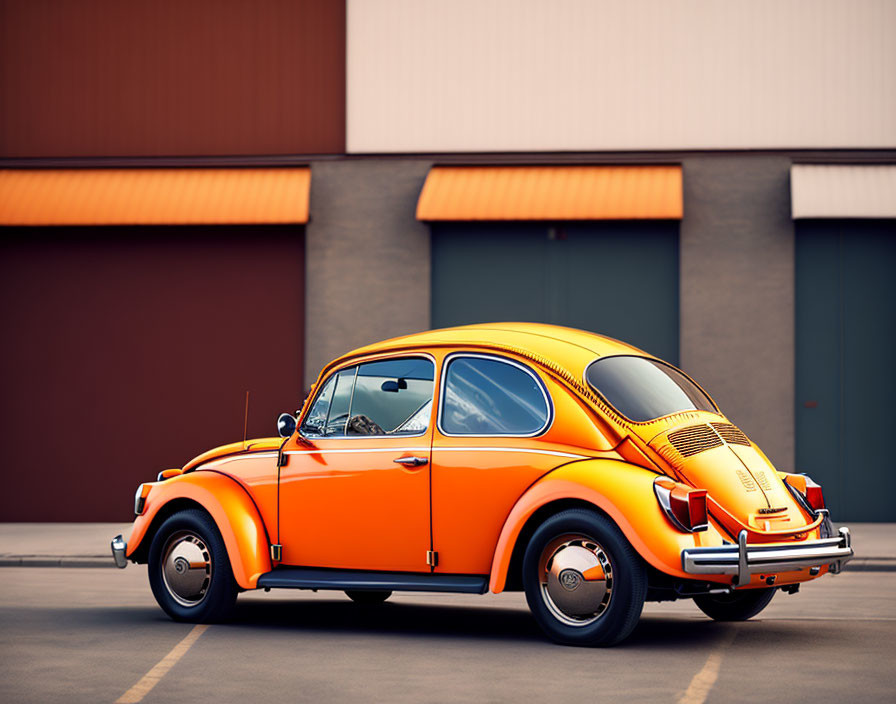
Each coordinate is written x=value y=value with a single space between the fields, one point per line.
x=171 y=77
x=129 y=350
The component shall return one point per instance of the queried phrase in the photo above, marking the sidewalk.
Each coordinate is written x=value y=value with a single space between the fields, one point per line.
x=87 y=545
x=59 y=544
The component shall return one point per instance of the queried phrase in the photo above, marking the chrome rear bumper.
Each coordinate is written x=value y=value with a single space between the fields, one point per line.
x=743 y=560
x=119 y=552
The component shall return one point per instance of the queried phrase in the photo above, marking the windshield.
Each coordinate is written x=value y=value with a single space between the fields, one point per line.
x=644 y=389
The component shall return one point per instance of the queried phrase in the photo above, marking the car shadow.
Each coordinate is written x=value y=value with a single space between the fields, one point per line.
x=449 y=621
x=390 y=617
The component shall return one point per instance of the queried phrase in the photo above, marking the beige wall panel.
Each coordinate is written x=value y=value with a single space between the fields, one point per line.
x=367 y=257
x=582 y=75
x=827 y=191
x=737 y=300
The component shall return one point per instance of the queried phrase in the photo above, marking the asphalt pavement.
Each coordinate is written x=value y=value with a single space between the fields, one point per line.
x=96 y=635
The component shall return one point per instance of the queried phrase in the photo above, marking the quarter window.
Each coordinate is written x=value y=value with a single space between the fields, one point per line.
x=391 y=397
x=487 y=396
x=316 y=421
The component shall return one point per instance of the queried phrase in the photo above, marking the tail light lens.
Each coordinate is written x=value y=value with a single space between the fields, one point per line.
x=140 y=498
x=814 y=495
x=684 y=507
x=807 y=489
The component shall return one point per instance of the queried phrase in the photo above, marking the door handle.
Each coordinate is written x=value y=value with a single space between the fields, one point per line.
x=411 y=461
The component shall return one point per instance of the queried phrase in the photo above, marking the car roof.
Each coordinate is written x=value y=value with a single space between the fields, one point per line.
x=574 y=349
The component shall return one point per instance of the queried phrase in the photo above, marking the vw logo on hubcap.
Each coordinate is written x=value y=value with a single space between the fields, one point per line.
x=181 y=565
x=570 y=579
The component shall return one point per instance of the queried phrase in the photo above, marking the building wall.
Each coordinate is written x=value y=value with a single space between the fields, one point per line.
x=529 y=75
x=129 y=350
x=737 y=292
x=368 y=259
x=171 y=77
x=369 y=277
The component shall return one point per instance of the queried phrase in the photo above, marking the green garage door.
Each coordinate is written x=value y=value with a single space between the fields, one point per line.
x=615 y=278
x=845 y=375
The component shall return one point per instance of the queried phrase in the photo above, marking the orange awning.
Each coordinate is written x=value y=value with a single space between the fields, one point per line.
x=551 y=193
x=154 y=196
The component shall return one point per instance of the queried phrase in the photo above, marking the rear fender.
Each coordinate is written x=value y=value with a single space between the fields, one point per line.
x=622 y=491
x=229 y=505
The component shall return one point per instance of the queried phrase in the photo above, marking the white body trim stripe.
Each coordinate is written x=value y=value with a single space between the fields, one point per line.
x=233 y=458
x=342 y=451
x=357 y=449
x=440 y=449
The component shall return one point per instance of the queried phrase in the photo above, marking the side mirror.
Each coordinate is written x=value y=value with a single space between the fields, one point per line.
x=286 y=425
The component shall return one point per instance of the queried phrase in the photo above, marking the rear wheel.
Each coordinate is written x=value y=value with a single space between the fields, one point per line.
x=189 y=571
x=584 y=582
x=368 y=598
x=736 y=606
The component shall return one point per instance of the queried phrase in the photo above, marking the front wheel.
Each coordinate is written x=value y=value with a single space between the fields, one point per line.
x=189 y=571
x=584 y=582
x=736 y=606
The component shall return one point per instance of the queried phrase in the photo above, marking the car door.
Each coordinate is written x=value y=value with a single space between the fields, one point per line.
x=354 y=492
x=488 y=449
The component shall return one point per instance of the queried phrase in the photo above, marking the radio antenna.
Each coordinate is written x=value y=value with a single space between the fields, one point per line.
x=246 y=420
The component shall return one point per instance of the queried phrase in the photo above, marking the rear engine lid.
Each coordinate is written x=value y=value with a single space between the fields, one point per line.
x=720 y=458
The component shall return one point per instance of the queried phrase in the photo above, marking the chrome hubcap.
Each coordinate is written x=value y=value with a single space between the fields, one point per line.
x=576 y=579
x=186 y=568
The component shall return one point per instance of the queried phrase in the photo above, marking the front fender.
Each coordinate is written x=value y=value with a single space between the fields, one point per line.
x=230 y=507
x=624 y=492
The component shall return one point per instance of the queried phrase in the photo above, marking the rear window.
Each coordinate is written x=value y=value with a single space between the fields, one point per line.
x=644 y=389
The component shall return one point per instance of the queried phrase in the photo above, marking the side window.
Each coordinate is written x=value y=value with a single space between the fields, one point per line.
x=485 y=396
x=342 y=397
x=392 y=397
x=316 y=420
x=329 y=414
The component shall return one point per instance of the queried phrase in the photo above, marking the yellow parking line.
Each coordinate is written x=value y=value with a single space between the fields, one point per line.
x=151 y=678
x=703 y=681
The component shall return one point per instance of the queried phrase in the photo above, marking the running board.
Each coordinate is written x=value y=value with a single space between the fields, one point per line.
x=317 y=578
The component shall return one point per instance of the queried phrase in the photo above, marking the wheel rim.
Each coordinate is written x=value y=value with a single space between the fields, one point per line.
x=186 y=568
x=576 y=579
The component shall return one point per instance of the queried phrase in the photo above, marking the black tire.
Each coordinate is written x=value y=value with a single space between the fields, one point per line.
x=186 y=591
x=737 y=606
x=617 y=597
x=367 y=598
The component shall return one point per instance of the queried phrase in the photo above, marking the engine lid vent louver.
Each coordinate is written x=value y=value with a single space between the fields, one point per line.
x=731 y=434
x=698 y=438
x=693 y=439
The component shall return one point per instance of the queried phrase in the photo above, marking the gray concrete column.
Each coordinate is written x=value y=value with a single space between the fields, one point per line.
x=737 y=293
x=367 y=258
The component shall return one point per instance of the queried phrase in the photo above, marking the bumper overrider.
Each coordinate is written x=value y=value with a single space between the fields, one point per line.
x=119 y=552
x=743 y=560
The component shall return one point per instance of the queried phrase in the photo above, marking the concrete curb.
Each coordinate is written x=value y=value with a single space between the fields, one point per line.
x=871 y=564
x=56 y=561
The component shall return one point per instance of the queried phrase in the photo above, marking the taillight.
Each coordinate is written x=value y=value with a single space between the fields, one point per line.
x=140 y=498
x=814 y=495
x=684 y=507
x=806 y=489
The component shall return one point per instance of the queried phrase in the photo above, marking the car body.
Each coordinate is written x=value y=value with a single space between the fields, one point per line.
x=493 y=457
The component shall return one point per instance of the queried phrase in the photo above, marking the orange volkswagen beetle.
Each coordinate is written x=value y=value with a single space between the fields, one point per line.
x=498 y=457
